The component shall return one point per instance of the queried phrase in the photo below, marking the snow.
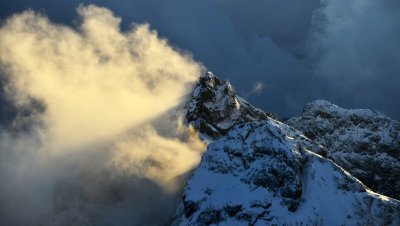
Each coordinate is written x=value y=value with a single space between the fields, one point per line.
x=330 y=195
x=364 y=142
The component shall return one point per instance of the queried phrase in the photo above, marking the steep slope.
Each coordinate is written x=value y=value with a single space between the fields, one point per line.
x=214 y=107
x=264 y=173
x=365 y=143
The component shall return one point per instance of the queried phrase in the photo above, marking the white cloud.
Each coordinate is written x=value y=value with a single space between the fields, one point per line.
x=258 y=87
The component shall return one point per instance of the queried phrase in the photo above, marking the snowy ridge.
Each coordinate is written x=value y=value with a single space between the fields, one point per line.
x=263 y=173
x=364 y=142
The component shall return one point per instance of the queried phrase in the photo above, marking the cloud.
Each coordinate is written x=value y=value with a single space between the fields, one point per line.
x=357 y=52
x=92 y=74
x=258 y=87
x=94 y=148
x=150 y=154
x=301 y=51
x=240 y=41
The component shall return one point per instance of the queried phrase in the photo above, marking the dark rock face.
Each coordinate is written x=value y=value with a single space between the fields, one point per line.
x=262 y=173
x=365 y=143
x=214 y=107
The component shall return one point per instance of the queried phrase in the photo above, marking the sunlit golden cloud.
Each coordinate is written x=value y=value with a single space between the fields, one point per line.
x=95 y=81
x=102 y=89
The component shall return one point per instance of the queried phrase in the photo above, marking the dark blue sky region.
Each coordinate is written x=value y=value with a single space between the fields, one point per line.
x=347 y=52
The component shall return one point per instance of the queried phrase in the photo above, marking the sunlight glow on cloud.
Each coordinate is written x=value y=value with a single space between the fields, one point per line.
x=94 y=82
x=101 y=90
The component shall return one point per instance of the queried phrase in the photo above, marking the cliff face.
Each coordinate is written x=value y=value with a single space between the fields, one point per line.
x=365 y=143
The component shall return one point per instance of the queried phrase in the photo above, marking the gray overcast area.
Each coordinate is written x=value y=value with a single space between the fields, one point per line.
x=278 y=54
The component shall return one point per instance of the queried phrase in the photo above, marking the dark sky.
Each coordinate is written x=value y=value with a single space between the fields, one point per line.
x=347 y=52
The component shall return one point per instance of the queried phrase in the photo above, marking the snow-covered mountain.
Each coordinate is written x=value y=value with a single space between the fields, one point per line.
x=259 y=171
x=365 y=143
x=264 y=173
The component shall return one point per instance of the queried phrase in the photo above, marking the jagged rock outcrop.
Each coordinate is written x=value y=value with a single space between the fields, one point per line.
x=214 y=107
x=365 y=143
x=264 y=173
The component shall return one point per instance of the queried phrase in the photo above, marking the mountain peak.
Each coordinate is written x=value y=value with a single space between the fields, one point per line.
x=323 y=108
x=264 y=172
x=364 y=142
x=318 y=104
x=214 y=107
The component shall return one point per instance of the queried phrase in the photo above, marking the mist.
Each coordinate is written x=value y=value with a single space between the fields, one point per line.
x=97 y=137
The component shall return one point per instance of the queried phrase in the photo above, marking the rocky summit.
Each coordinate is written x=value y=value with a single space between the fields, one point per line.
x=259 y=171
x=365 y=143
x=214 y=108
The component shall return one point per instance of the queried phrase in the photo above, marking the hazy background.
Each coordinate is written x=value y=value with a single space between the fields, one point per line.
x=294 y=51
